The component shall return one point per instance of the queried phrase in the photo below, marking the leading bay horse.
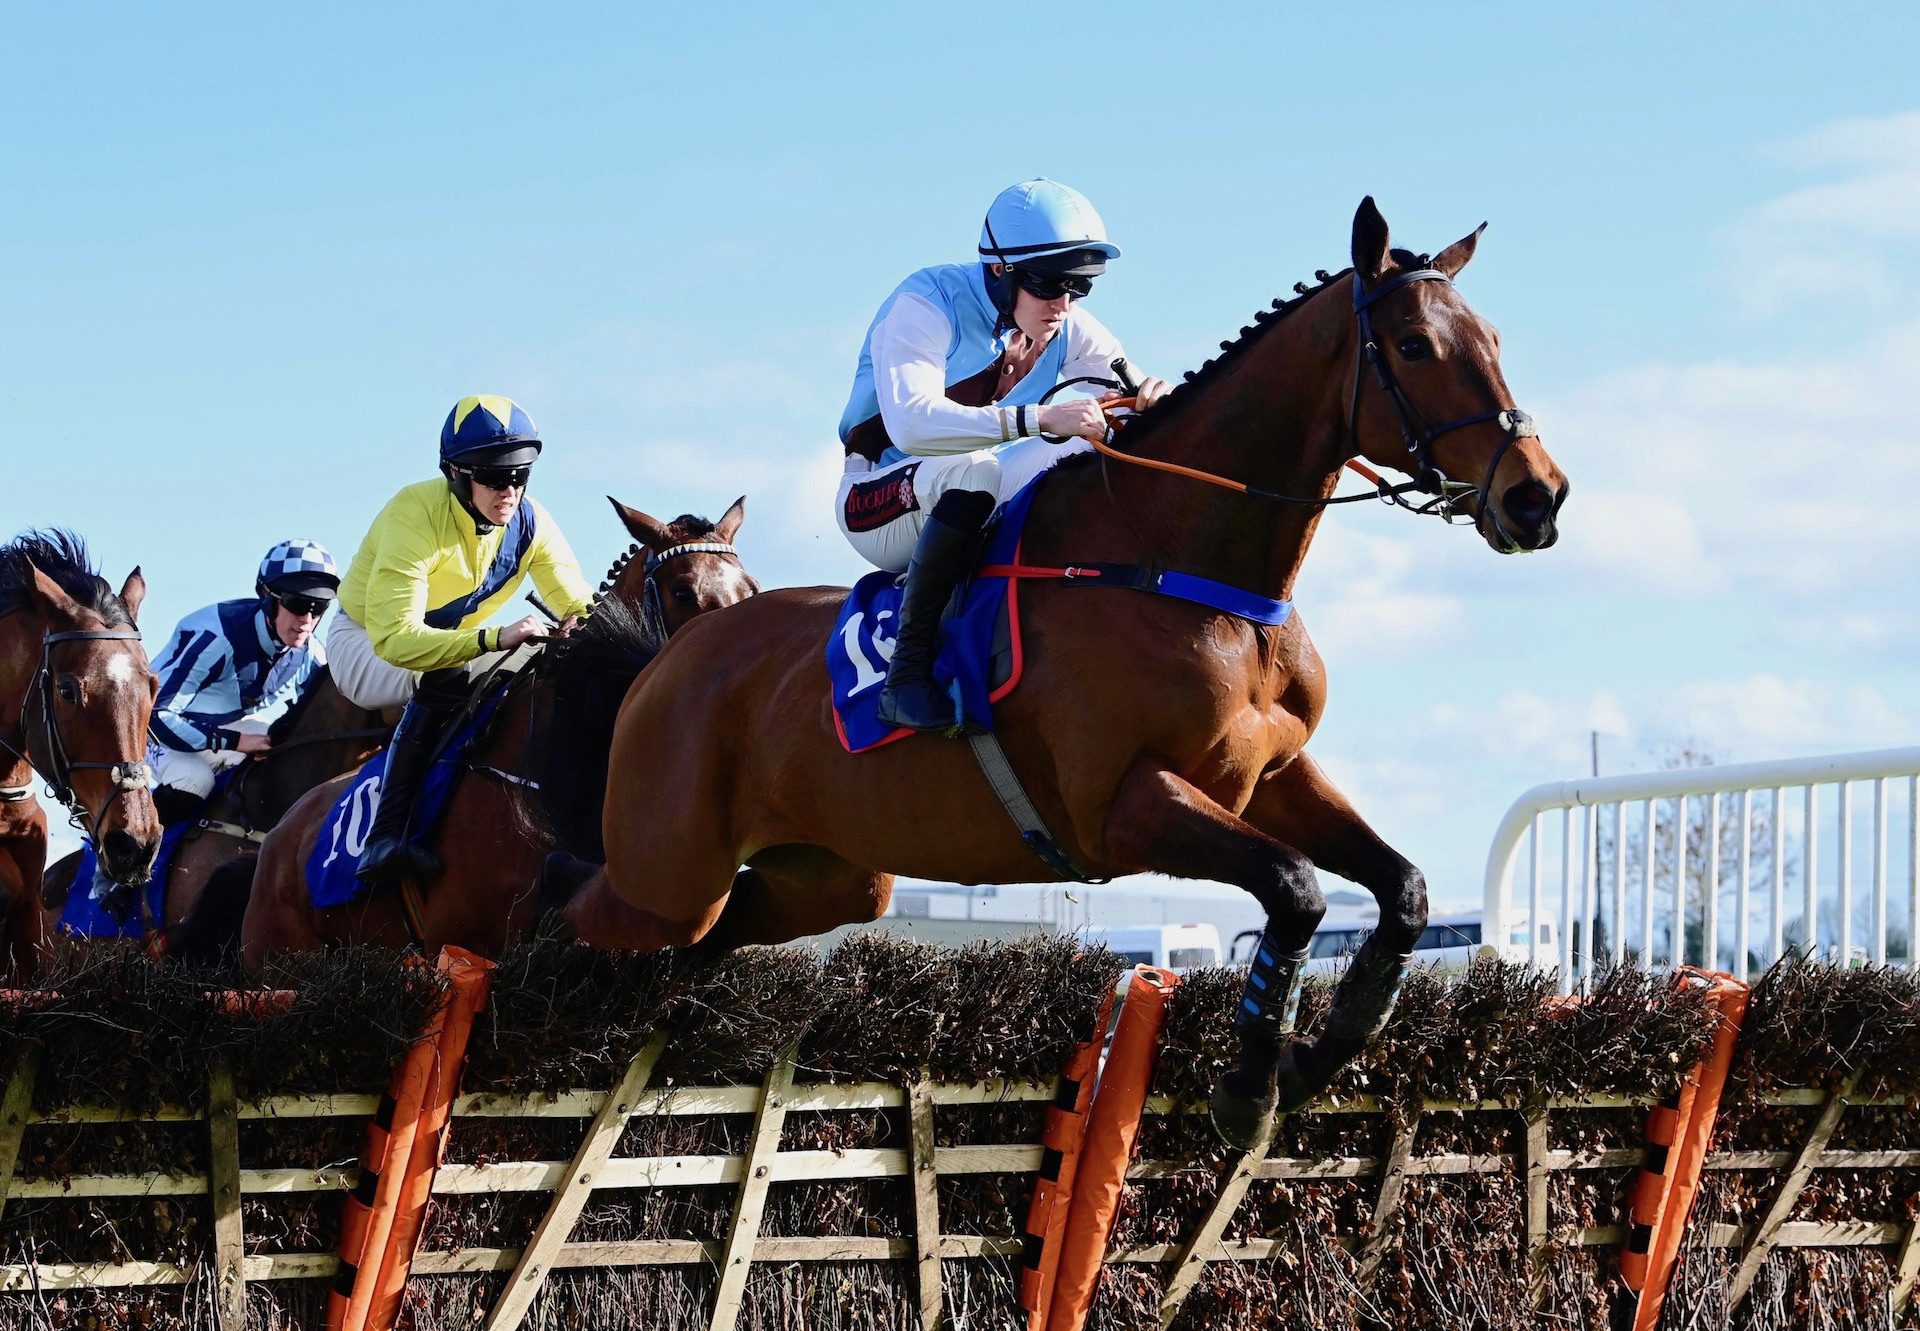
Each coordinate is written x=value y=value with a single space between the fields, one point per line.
x=1154 y=735
x=75 y=696
x=490 y=851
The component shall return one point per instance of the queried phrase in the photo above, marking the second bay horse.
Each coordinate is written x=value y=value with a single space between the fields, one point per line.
x=674 y=572
x=1153 y=734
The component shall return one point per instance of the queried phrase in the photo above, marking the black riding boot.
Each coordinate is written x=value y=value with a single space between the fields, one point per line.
x=942 y=558
x=175 y=805
x=388 y=858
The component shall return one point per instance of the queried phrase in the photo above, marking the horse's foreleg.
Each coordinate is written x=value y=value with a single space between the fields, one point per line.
x=1298 y=803
x=1164 y=823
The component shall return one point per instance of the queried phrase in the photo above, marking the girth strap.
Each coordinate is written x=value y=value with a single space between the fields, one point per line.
x=234 y=830
x=1013 y=798
x=1222 y=596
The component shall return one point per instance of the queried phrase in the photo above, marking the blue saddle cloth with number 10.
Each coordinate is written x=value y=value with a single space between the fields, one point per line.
x=979 y=661
x=335 y=856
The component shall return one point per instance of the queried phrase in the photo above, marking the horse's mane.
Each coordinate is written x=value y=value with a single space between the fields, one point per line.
x=285 y=723
x=1139 y=427
x=63 y=557
x=591 y=672
x=691 y=527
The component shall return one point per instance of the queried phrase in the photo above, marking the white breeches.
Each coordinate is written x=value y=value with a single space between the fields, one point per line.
x=359 y=673
x=193 y=773
x=881 y=509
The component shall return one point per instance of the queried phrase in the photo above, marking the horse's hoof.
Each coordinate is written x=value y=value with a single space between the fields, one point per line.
x=1242 y=1120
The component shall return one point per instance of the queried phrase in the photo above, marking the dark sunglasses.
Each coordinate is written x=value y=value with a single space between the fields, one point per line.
x=303 y=605
x=1044 y=286
x=501 y=478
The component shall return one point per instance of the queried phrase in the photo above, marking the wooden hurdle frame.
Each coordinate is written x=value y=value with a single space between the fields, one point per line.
x=605 y=1114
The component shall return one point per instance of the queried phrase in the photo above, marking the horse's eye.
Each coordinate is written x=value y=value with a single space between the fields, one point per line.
x=69 y=691
x=1415 y=348
x=685 y=596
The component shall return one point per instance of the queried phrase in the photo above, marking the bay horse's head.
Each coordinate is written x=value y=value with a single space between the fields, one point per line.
x=1428 y=395
x=690 y=565
x=85 y=693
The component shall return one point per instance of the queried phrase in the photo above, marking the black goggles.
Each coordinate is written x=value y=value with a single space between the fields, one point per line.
x=501 y=478
x=1047 y=286
x=303 y=605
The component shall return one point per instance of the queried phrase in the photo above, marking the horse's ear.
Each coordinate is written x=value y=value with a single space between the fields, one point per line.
x=649 y=531
x=730 y=521
x=1370 y=249
x=52 y=598
x=1454 y=257
x=132 y=592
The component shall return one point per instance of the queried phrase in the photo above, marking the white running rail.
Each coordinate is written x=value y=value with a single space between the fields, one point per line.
x=1644 y=891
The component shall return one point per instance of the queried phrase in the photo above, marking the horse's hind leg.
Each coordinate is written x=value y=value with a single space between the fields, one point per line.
x=1161 y=822
x=1299 y=804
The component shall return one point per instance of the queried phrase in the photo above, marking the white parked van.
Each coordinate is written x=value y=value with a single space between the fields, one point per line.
x=1451 y=941
x=1177 y=947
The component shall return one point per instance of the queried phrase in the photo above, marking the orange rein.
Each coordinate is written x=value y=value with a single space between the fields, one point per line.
x=1110 y=405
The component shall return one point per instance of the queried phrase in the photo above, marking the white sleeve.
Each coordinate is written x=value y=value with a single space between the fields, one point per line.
x=1092 y=349
x=909 y=351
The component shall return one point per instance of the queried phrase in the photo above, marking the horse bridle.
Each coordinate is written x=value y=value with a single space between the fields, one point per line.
x=650 y=598
x=1418 y=436
x=58 y=769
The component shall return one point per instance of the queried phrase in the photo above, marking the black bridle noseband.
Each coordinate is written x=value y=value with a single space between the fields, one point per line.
x=1418 y=436
x=58 y=769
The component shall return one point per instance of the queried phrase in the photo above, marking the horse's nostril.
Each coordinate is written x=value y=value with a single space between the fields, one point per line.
x=121 y=846
x=1528 y=504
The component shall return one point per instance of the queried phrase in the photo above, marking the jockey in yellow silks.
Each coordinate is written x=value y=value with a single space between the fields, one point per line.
x=440 y=560
x=945 y=419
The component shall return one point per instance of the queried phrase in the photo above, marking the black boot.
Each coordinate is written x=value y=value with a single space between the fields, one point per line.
x=388 y=858
x=175 y=805
x=942 y=558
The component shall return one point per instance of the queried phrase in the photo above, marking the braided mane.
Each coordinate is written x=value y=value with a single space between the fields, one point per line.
x=1194 y=380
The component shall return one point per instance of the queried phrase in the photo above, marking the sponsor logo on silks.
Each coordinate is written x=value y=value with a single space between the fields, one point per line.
x=873 y=504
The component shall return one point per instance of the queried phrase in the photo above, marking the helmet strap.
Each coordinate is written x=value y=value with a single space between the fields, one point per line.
x=462 y=487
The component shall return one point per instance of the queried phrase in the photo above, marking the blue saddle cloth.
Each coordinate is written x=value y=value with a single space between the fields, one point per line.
x=343 y=836
x=86 y=916
x=979 y=660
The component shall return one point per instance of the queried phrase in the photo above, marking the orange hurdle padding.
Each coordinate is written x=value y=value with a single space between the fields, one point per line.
x=1112 y=1128
x=1729 y=996
x=470 y=976
x=366 y=1213
x=1065 y=1131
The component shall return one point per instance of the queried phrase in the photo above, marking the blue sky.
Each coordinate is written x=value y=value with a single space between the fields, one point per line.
x=249 y=257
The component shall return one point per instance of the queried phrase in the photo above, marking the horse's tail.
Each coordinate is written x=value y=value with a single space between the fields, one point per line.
x=591 y=672
x=211 y=931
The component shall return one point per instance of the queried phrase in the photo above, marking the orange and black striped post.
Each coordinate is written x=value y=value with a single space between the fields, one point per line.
x=1066 y=1129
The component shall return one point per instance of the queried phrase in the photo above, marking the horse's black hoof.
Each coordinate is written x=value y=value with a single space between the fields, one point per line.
x=1243 y=1115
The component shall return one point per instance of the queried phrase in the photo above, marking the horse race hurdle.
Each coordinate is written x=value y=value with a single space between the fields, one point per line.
x=1534 y=1192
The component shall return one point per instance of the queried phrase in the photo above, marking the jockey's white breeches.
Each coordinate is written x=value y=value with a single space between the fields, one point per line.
x=358 y=672
x=882 y=508
x=193 y=773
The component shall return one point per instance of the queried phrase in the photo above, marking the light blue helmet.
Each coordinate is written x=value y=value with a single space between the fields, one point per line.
x=1047 y=226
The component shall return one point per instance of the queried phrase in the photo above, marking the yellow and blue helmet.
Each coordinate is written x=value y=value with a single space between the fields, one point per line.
x=488 y=430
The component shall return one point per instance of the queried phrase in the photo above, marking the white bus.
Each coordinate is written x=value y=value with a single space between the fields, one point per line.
x=1451 y=941
x=1177 y=947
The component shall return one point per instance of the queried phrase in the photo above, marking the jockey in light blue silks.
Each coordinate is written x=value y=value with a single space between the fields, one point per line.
x=233 y=668
x=945 y=416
